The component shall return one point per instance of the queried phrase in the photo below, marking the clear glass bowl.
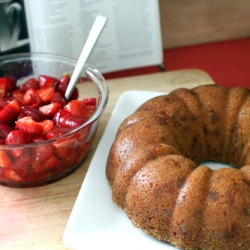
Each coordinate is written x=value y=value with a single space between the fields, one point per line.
x=30 y=164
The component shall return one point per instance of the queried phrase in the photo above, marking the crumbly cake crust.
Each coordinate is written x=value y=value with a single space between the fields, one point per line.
x=152 y=167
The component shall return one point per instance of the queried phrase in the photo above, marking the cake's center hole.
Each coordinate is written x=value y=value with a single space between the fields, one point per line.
x=215 y=165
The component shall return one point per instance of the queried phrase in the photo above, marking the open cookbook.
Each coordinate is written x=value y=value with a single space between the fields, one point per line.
x=131 y=38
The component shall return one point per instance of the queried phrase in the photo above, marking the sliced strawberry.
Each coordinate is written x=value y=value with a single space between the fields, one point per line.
x=91 y=101
x=44 y=158
x=31 y=83
x=64 y=147
x=57 y=97
x=16 y=152
x=47 y=81
x=21 y=164
x=81 y=136
x=53 y=162
x=5 y=159
x=2 y=87
x=12 y=176
x=10 y=112
x=11 y=83
x=91 y=108
x=31 y=98
x=49 y=110
x=46 y=94
x=3 y=102
x=73 y=157
x=4 y=130
x=64 y=119
x=63 y=84
x=70 y=121
x=47 y=125
x=16 y=137
x=18 y=94
x=54 y=133
x=36 y=114
x=63 y=153
x=75 y=94
x=29 y=126
x=7 y=84
x=21 y=115
x=78 y=108
x=58 y=116
x=45 y=165
x=43 y=152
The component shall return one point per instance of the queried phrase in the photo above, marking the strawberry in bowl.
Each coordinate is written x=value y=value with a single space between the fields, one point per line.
x=43 y=137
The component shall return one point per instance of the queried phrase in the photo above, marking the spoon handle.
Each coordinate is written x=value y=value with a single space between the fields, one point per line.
x=89 y=45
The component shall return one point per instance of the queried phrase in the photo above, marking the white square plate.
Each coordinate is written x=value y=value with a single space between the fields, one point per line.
x=96 y=222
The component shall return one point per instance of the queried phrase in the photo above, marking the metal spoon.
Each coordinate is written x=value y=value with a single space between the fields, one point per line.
x=89 y=45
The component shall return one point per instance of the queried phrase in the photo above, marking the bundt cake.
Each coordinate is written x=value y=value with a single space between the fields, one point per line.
x=155 y=168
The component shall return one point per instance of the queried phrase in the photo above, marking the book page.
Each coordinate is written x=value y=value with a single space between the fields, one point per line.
x=131 y=38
